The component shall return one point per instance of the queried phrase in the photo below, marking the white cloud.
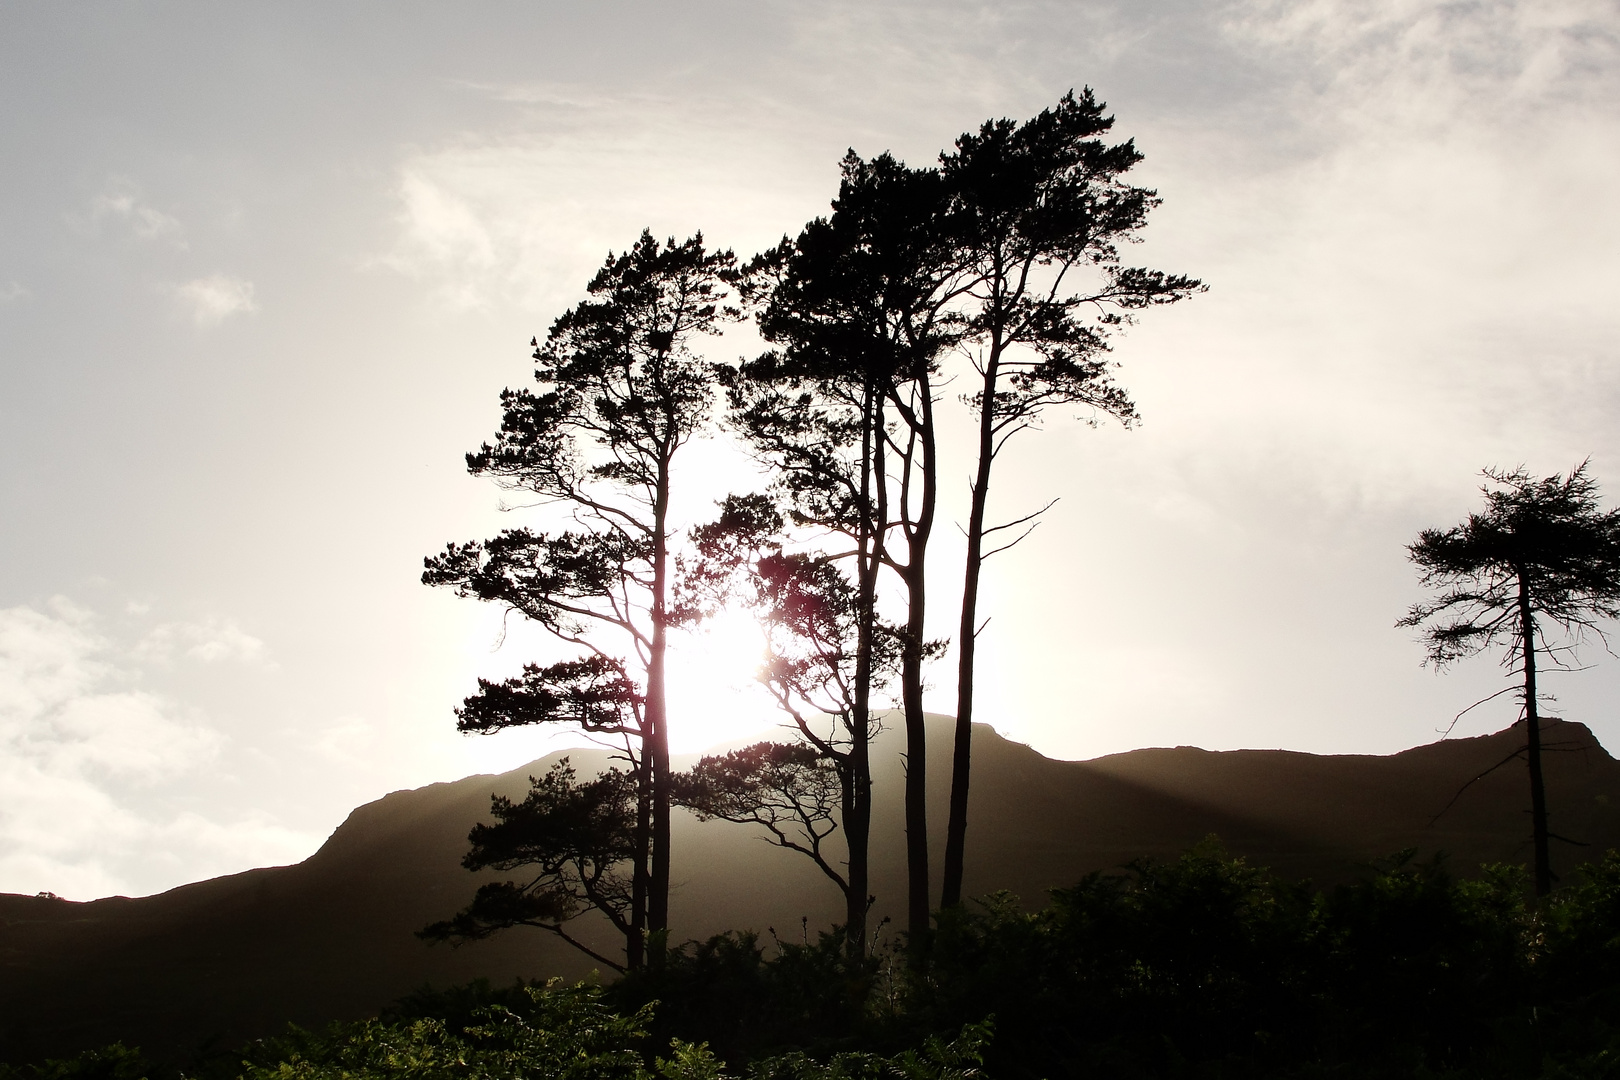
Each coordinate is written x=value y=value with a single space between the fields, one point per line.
x=13 y=291
x=120 y=203
x=94 y=769
x=213 y=299
x=209 y=641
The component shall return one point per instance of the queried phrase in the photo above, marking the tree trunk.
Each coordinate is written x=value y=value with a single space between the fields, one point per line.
x=1532 y=723
x=858 y=781
x=967 y=646
x=911 y=681
x=635 y=949
x=656 y=742
x=857 y=832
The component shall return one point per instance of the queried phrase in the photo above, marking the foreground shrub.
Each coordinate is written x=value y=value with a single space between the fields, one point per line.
x=565 y=1033
x=1210 y=967
x=730 y=993
x=114 y=1062
x=1203 y=967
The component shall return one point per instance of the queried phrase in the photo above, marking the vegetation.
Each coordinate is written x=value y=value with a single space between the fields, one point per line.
x=620 y=392
x=1004 y=255
x=573 y=839
x=1541 y=556
x=1204 y=967
x=826 y=654
x=1037 y=213
x=843 y=410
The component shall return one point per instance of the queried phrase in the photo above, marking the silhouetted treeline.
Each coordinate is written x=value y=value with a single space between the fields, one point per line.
x=1205 y=967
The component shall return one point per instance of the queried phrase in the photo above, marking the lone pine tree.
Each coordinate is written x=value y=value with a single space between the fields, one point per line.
x=619 y=393
x=1541 y=554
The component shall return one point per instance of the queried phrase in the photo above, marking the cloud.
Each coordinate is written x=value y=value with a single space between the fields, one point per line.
x=526 y=217
x=209 y=641
x=12 y=291
x=213 y=299
x=1423 y=283
x=94 y=768
x=122 y=205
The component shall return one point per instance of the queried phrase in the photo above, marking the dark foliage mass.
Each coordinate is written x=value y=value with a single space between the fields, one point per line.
x=1204 y=967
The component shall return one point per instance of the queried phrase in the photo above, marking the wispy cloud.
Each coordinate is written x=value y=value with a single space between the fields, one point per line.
x=1410 y=61
x=121 y=204
x=526 y=217
x=209 y=641
x=211 y=300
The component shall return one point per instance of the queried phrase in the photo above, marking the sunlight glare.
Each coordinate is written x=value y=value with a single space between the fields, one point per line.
x=714 y=694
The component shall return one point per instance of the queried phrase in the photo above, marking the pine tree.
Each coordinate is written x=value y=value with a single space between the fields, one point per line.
x=620 y=391
x=1038 y=212
x=1540 y=555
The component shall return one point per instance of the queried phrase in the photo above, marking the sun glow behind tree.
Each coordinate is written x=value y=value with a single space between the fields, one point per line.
x=715 y=697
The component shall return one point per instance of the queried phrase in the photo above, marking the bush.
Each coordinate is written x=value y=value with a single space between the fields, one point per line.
x=726 y=992
x=1203 y=967
x=558 y=1032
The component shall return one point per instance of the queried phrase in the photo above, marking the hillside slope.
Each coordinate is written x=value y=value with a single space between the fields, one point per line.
x=237 y=957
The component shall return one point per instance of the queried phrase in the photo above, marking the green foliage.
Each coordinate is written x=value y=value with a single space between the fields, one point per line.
x=115 y=1062
x=1199 y=958
x=938 y=1059
x=566 y=1033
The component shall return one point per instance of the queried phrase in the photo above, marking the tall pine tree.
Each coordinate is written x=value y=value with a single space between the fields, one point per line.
x=1037 y=212
x=619 y=393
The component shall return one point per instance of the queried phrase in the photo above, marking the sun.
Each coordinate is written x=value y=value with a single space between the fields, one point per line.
x=713 y=689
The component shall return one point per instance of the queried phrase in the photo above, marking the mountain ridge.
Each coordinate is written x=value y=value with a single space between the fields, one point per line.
x=330 y=937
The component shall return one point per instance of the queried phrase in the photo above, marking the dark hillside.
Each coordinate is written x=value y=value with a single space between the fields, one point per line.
x=237 y=957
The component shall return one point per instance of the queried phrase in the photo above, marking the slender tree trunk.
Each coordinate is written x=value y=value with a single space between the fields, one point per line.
x=635 y=950
x=967 y=645
x=857 y=829
x=656 y=742
x=1532 y=722
x=858 y=781
x=911 y=680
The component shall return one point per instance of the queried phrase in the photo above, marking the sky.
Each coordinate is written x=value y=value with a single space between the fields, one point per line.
x=264 y=270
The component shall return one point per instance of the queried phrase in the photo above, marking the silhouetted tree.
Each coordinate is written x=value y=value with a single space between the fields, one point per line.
x=620 y=392
x=858 y=305
x=574 y=839
x=811 y=618
x=1541 y=553
x=791 y=789
x=813 y=412
x=1038 y=210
